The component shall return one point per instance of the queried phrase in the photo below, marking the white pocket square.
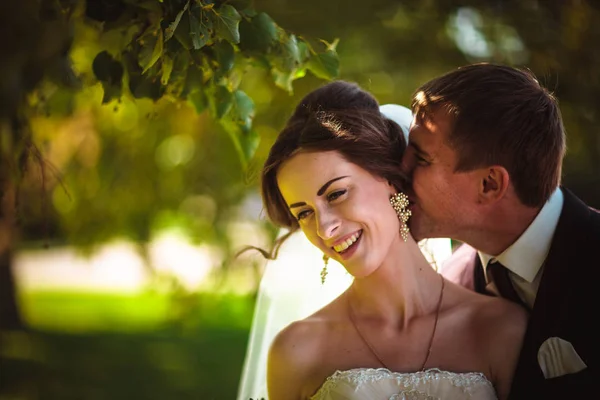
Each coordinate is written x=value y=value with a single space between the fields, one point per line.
x=557 y=357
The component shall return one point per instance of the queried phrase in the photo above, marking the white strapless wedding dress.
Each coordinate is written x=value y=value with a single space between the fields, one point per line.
x=382 y=384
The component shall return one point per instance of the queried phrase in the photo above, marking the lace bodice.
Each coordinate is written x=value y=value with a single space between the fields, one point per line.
x=383 y=384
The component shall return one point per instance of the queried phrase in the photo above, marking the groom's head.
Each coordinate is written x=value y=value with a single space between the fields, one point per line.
x=483 y=137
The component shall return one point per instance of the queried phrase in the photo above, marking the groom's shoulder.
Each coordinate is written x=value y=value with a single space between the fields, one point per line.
x=581 y=214
x=459 y=267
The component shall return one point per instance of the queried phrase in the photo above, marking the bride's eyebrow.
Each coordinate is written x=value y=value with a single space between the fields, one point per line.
x=326 y=185
x=320 y=191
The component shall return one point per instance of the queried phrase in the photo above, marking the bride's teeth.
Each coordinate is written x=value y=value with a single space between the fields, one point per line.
x=349 y=242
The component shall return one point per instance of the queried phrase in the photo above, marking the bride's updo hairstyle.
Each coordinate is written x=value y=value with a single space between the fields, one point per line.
x=338 y=116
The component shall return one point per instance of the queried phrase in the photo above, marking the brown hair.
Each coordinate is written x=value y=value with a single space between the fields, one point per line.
x=503 y=116
x=339 y=116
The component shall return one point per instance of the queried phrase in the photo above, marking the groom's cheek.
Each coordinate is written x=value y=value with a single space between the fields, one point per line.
x=408 y=163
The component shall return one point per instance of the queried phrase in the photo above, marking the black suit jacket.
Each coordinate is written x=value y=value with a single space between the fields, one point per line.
x=567 y=304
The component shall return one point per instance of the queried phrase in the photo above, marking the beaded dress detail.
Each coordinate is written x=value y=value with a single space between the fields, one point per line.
x=383 y=384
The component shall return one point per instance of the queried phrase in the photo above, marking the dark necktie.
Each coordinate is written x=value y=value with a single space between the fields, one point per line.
x=502 y=281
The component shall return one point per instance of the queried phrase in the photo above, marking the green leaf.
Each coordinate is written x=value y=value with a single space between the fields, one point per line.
x=283 y=79
x=170 y=31
x=221 y=101
x=290 y=53
x=245 y=143
x=242 y=111
x=303 y=50
x=198 y=32
x=151 y=48
x=324 y=65
x=258 y=34
x=167 y=68
x=249 y=143
x=183 y=33
x=227 y=23
x=225 y=55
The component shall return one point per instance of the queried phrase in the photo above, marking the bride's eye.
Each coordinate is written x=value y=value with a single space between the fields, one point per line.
x=335 y=195
x=303 y=214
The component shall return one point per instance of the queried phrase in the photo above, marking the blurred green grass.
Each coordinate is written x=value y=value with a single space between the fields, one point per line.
x=143 y=346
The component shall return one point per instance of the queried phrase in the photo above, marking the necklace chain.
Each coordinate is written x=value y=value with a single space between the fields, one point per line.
x=364 y=339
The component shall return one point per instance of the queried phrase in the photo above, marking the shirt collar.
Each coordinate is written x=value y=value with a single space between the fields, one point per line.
x=526 y=256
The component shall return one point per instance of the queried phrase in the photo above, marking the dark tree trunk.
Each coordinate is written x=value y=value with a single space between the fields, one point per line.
x=10 y=318
x=10 y=168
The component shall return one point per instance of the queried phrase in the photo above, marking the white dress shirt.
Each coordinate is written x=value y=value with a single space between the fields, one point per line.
x=525 y=258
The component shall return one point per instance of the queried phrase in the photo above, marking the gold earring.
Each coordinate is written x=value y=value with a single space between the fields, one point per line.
x=399 y=202
x=324 y=270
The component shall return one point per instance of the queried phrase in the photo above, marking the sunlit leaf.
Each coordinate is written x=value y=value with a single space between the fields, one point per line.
x=283 y=79
x=258 y=34
x=227 y=23
x=324 y=65
x=170 y=31
x=167 y=68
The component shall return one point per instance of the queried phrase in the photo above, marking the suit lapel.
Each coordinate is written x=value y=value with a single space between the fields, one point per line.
x=546 y=317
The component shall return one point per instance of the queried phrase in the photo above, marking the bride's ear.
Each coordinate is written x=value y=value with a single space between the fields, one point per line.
x=493 y=185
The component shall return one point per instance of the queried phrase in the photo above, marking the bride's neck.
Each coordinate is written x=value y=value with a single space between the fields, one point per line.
x=404 y=287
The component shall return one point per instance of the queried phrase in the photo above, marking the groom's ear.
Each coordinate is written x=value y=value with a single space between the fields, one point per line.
x=494 y=184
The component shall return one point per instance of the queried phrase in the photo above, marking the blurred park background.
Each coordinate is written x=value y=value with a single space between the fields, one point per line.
x=133 y=133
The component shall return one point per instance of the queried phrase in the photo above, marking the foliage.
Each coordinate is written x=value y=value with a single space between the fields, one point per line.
x=199 y=51
x=107 y=99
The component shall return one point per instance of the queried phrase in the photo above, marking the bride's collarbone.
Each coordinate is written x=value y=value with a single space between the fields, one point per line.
x=340 y=347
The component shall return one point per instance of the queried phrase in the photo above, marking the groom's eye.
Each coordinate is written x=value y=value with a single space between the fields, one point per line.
x=421 y=160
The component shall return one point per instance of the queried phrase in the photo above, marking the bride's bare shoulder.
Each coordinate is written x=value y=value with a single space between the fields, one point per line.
x=300 y=335
x=296 y=351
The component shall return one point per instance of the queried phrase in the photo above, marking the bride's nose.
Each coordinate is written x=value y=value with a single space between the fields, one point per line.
x=327 y=224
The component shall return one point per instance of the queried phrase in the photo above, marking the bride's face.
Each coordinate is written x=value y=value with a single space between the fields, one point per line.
x=341 y=208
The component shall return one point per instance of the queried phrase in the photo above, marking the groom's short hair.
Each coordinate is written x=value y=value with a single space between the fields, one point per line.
x=501 y=116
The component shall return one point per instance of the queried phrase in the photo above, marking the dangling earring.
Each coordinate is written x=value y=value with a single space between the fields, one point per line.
x=399 y=202
x=324 y=270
